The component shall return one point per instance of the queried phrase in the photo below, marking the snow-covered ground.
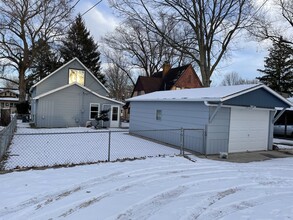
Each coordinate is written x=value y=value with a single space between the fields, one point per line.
x=283 y=144
x=48 y=147
x=154 y=188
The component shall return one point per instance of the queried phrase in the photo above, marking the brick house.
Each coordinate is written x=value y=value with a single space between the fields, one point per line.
x=182 y=77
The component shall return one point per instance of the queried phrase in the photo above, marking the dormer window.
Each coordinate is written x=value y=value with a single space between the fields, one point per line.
x=76 y=76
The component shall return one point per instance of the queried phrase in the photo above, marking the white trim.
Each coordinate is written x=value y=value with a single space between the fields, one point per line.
x=99 y=109
x=83 y=87
x=74 y=59
x=117 y=123
x=238 y=106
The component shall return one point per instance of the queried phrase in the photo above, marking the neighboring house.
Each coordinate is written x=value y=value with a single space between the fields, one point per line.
x=9 y=99
x=183 y=77
x=233 y=118
x=71 y=96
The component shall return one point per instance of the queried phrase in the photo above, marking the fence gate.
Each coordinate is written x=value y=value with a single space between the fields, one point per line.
x=194 y=140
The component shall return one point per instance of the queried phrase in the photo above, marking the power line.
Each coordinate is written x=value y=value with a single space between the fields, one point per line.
x=91 y=8
x=82 y=13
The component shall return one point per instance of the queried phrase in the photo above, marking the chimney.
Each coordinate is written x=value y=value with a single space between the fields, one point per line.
x=166 y=68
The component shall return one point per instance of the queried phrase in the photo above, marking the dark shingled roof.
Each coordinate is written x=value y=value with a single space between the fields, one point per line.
x=149 y=84
x=172 y=76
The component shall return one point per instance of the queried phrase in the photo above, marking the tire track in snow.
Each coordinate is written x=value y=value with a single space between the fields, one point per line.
x=161 y=175
x=43 y=201
x=47 y=199
x=222 y=211
x=148 y=208
x=158 y=176
x=122 y=188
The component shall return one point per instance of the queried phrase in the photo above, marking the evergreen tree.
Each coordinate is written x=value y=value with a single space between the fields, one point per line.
x=45 y=62
x=278 y=71
x=78 y=43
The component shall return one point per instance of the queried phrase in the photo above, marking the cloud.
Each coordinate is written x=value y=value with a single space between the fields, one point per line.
x=99 y=20
x=245 y=61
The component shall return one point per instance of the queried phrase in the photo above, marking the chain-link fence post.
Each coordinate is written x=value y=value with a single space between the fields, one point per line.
x=181 y=141
x=109 y=146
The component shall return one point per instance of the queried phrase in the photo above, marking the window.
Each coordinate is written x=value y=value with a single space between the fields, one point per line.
x=94 y=110
x=159 y=115
x=114 y=113
x=76 y=76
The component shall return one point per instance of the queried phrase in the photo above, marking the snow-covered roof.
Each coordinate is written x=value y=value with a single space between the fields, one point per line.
x=290 y=99
x=211 y=94
x=85 y=88
x=9 y=99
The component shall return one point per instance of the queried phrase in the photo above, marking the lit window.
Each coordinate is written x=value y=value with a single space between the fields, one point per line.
x=94 y=110
x=159 y=115
x=76 y=76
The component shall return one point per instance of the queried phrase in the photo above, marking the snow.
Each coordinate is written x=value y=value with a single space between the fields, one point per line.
x=154 y=188
x=9 y=99
x=169 y=187
x=198 y=94
x=49 y=147
x=283 y=144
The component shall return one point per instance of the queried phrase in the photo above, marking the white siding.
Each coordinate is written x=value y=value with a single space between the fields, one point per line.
x=249 y=130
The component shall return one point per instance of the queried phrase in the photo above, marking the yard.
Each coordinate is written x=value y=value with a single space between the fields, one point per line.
x=154 y=188
x=160 y=187
x=65 y=146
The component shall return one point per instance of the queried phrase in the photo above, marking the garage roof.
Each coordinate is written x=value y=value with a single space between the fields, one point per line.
x=210 y=94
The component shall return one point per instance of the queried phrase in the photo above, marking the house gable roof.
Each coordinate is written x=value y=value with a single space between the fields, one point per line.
x=172 y=76
x=147 y=84
x=211 y=94
x=64 y=65
x=159 y=83
x=76 y=84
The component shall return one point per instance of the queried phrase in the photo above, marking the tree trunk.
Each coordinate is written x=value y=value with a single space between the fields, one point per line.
x=205 y=74
x=22 y=85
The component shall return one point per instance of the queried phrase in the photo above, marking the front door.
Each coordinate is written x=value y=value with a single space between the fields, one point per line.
x=115 y=116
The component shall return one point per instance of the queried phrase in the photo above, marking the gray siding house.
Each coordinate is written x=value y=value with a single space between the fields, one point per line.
x=71 y=96
x=231 y=119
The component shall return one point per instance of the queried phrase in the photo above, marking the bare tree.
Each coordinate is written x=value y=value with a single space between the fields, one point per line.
x=141 y=47
x=117 y=59
x=234 y=78
x=117 y=83
x=205 y=28
x=273 y=24
x=22 y=24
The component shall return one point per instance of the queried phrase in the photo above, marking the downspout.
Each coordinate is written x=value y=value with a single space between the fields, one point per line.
x=215 y=112
x=218 y=106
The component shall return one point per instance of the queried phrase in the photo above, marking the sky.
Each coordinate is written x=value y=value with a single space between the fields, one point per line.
x=245 y=59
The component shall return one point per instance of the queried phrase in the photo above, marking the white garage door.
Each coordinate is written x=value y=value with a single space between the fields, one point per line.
x=249 y=130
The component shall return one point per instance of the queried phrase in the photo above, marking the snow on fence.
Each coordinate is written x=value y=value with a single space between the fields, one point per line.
x=51 y=149
x=6 y=135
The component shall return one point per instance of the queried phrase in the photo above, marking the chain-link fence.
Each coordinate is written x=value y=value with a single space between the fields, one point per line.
x=67 y=148
x=6 y=135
